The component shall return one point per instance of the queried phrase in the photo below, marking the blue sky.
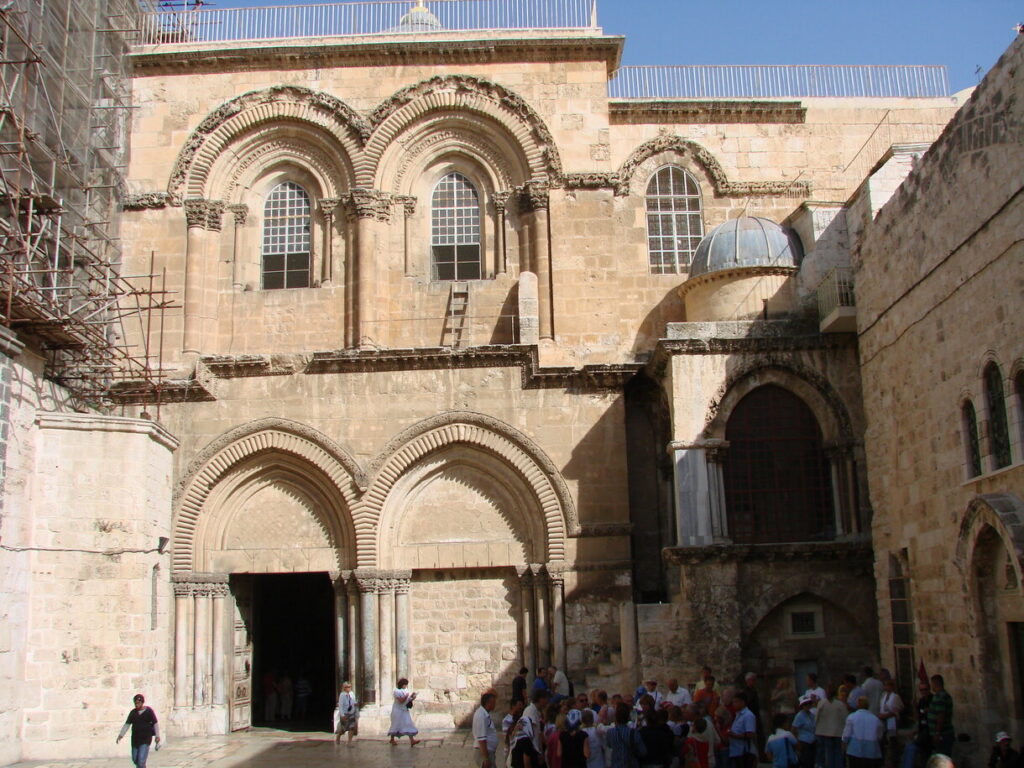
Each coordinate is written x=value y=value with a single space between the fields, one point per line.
x=962 y=34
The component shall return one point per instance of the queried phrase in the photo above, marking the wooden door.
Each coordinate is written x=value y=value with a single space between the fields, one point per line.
x=241 y=659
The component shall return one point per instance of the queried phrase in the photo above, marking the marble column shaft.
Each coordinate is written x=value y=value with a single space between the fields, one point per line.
x=182 y=601
x=218 y=641
x=557 y=585
x=201 y=646
x=540 y=592
x=402 y=633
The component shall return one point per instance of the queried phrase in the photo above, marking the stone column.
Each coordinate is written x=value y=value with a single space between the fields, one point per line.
x=201 y=644
x=218 y=591
x=403 y=645
x=340 y=583
x=369 y=206
x=386 y=630
x=240 y=213
x=556 y=582
x=500 y=209
x=352 y=658
x=628 y=640
x=844 y=490
x=368 y=590
x=699 y=498
x=328 y=205
x=408 y=203
x=182 y=599
x=202 y=217
x=529 y=649
x=540 y=590
x=534 y=199
x=715 y=457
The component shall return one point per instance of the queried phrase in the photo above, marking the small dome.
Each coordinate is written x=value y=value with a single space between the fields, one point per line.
x=419 y=19
x=748 y=241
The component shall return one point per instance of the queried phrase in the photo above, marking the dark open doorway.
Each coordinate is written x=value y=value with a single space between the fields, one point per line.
x=293 y=617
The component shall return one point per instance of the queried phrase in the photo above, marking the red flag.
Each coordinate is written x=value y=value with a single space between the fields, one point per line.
x=921 y=674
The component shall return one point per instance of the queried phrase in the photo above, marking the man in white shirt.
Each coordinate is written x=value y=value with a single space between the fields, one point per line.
x=651 y=689
x=485 y=737
x=813 y=689
x=676 y=696
x=559 y=683
x=533 y=713
x=889 y=710
x=872 y=688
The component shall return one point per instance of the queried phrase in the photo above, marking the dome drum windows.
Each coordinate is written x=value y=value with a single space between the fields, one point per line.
x=455 y=230
x=287 y=247
x=675 y=221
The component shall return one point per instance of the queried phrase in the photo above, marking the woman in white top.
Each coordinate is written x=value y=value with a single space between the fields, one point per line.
x=401 y=717
x=348 y=714
x=595 y=737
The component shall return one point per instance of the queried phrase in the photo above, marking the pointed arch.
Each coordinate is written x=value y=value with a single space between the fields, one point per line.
x=1002 y=513
x=346 y=130
x=477 y=432
x=461 y=94
x=303 y=448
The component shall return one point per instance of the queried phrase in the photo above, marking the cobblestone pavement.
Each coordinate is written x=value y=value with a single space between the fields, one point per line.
x=260 y=748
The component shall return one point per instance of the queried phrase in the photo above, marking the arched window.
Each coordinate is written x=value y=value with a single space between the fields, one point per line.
x=998 y=427
x=1018 y=387
x=777 y=485
x=675 y=224
x=972 y=445
x=286 y=237
x=455 y=230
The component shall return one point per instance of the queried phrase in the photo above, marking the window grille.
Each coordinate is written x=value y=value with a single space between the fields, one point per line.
x=998 y=427
x=675 y=224
x=455 y=230
x=286 y=237
x=971 y=442
x=803 y=622
x=777 y=484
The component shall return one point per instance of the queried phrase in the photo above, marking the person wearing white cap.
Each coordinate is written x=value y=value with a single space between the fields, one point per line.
x=803 y=727
x=1003 y=755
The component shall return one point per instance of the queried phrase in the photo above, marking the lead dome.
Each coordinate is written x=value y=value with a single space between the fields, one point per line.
x=748 y=241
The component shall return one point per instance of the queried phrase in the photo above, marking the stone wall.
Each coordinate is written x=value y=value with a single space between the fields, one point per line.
x=940 y=272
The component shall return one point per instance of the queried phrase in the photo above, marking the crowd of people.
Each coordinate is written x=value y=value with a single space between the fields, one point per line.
x=854 y=722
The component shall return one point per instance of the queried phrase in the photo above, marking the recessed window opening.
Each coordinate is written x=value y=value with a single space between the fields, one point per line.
x=998 y=427
x=675 y=224
x=971 y=443
x=286 y=237
x=455 y=230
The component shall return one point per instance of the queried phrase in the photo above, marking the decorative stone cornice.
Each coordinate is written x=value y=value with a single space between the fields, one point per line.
x=755 y=345
x=591 y=180
x=144 y=200
x=244 y=366
x=597 y=530
x=187 y=584
x=851 y=551
x=687 y=149
x=717 y=275
x=96 y=422
x=142 y=392
x=699 y=111
x=534 y=195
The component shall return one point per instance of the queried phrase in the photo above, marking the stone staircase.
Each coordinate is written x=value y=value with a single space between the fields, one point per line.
x=608 y=675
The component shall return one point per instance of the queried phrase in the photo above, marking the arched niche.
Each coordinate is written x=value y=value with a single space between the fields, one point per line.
x=460 y=508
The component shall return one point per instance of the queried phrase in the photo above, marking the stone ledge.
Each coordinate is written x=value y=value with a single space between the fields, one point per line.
x=860 y=550
x=92 y=422
x=698 y=111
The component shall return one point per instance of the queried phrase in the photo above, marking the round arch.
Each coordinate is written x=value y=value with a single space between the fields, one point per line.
x=462 y=94
x=813 y=389
x=280 y=445
x=520 y=456
x=258 y=111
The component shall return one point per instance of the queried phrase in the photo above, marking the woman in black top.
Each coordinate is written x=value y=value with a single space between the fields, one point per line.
x=142 y=720
x=659 y=740
x=574 y=747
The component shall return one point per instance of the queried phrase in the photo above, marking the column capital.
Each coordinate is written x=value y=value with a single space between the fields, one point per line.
x=369 y=204
x=328 y=206
x=534 y=195
x=204 y=214
x=500 y=200
x=408 y=203
x=240 y=212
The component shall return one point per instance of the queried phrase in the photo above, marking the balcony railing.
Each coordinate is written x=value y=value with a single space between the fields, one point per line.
x=381 y=17
x=837 y=304
x=778 y=81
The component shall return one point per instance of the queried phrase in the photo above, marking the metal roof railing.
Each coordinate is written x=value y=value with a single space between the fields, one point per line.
x=778 y=81
x=379 y=17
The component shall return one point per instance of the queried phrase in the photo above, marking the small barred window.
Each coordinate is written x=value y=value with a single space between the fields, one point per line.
x=971 y=443
x=286 y=237
x=455 y=230
x=675 y=222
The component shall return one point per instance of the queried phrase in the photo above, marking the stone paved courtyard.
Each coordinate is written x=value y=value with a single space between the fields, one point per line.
x=262 y=748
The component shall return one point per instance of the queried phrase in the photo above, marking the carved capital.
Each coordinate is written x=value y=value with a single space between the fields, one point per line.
x=240 y=211
x=369 y=204
x=328 y=205
x=204 y=214
x=408 y=203
x=500 y=200
x=182 y=588
x=533 y=196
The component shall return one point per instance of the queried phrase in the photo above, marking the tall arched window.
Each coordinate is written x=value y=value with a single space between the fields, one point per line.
x=777 y=485
x=675 y=223
x=455 y=230
x=969 y=423
x=1018 y=387
x=998 y=427
x=286 y=237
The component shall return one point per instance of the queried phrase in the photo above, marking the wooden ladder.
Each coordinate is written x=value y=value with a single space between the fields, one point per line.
x=455 y=319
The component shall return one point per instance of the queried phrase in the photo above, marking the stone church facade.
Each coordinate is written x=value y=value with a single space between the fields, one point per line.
x=476 y=367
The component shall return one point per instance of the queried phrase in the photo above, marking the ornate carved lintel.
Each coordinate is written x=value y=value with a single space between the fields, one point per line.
x=145 y=200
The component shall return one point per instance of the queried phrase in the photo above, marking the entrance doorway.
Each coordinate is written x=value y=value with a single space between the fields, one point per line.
x=293 y=641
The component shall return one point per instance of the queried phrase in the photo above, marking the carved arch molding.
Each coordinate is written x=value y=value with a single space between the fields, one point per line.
x=364 y=139
x=364 y=494
x=361 y=140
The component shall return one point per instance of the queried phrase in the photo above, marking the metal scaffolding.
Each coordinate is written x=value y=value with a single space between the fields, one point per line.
x=64 y=116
